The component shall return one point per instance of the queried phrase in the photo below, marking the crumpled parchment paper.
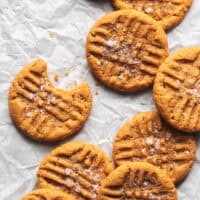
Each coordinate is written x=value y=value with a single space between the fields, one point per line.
x=56 y=31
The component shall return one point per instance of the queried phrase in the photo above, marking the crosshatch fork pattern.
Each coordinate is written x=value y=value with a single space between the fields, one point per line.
x=125 y=49
x=137 y=181
x=167 y=12
x=147 y=138
x=43 y=112
x=179 y=78
x=77 y=168
x=166 y=8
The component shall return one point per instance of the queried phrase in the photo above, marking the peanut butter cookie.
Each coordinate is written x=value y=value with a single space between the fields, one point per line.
x=177 y=89
x=48 y=194
x=147 y=138
x=167 y=12
x=138 y=180
x=125 y=48
x=43 y=112
x=75 y=168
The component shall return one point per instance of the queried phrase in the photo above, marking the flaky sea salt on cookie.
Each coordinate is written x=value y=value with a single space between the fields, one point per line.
x=125 y=48
x=137 y=180
x=43 y=112
x=148 y=138
x=177 y=89
x=168 y=13
x=76 y=168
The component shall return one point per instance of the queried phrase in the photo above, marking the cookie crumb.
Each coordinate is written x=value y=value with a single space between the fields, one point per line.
x=10 y=162
x=67 y=72
x=56 y=77
x=51 y=34
x=97 y=83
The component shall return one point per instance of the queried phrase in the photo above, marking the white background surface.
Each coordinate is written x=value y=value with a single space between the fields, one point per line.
x=56 y=31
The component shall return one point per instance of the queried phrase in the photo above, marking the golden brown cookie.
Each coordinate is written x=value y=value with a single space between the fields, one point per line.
x=177 y=89
x=167 y=12
x=147 y=138
x=137 y=180
x=48 y=194
x=43 y=112
x=125 y=49
x=75 y=168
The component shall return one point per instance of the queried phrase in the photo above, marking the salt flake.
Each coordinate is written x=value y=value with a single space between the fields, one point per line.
x=77 y=189
x=134 y=62
x=145 y=183
x=152 y=151
x=88 y=170
x=168 y=135
x=151 y=196
x=94 y=196
x=69 y=181
x=186 y=151
x=155 y=129
x=42 y=87
x=143 y=150
x=22 y=86
x=149 y=141
x=97 y=178
x=68 y=171
x=95 y=187
x=157 y=145
x=98 y=62
x=149 y=10
x=111 y=43
x=195 y=92
x=28 y=114
x=121 y=76
x=33 y=96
